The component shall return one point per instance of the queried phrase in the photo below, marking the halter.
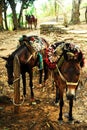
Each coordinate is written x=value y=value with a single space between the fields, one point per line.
x=63 y=78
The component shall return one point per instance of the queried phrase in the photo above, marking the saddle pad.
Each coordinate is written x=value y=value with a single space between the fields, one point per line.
x=37 y=43
x=48 y=58
x=34 y=43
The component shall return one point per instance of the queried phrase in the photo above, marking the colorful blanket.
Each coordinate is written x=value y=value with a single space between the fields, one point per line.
x=37 y=43
x=62 y=49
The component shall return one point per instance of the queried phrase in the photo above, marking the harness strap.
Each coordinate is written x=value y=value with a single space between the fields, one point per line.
x=29 y=58
x=62 y=77
x=71 y=54
x=72 y=83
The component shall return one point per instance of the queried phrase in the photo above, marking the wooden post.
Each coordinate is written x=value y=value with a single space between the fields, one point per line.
x=16 y=69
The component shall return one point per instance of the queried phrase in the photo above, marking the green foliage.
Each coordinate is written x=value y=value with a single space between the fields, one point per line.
x=10 y=21
x=46 y=9
x=83 y=4
x=26 y=3
x=31 y=10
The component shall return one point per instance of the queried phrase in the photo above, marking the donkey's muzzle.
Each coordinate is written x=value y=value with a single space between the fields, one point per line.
x=69 y=97
x=71 y=94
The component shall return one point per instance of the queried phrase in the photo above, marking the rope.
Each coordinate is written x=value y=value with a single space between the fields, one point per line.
x=19 y=103
x=23 y=95
x=17 y=79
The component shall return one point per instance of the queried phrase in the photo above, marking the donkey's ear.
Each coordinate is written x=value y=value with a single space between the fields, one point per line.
x=80 y=56
x=81 y=59
x=3 y=57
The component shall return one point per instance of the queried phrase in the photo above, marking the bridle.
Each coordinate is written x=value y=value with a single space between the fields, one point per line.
x=61 y=75
x=63 y=78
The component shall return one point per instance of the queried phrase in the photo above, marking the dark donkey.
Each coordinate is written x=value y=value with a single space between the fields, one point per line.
x=66 y=71
x=31 y=20
x=27 y=57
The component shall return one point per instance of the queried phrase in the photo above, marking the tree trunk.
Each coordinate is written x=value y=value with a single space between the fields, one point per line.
x=56 y=13
x=60 y=4
x=75 y=12
x=1 y=19
x=20 y=15
x=5 y=15
x=13 y=7
x=86 y=14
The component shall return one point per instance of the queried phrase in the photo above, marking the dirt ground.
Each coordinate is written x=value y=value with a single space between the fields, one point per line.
x=43 y=115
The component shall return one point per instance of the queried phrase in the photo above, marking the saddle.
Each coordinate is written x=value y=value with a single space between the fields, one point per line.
x=35 y=46
x=34 y=42
x=58 y=52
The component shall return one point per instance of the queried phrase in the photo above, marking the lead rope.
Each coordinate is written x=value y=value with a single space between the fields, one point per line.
x=20 y=103
x=13 y=83
x=23 y=95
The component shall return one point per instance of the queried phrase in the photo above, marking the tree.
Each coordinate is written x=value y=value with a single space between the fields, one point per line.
x=60 y=3
x=1 y=19
x=75 y=12
x=86 y=14
x=24 y=4
x=5 y=5
x=13 y=8
x=56 y=10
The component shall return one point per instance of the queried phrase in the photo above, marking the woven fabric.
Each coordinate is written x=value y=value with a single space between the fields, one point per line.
x=51 y=65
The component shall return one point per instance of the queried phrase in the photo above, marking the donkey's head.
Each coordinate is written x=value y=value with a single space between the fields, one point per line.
x=9 y=67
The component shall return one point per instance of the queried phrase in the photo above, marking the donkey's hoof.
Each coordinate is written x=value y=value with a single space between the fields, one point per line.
x=60 y=122
x=77 y=122
x=71 y=122
x=56 y=103
x=71 y=118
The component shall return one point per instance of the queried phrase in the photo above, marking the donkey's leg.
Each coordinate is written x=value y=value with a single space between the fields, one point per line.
x=40 y=76
x=31 y=25
x=70 y=109
x=31 y=84
x=57 y=95
x=45 y=73
x=24 y=83
x=35 y=24
x=52 y=79
x=61 y=106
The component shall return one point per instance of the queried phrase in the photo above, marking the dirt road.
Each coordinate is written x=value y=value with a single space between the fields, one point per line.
x=44 y=115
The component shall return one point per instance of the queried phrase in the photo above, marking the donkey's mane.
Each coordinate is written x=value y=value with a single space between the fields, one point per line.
x=11 y=56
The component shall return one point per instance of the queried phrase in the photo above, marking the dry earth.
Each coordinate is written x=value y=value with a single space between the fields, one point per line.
x=44 y=115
